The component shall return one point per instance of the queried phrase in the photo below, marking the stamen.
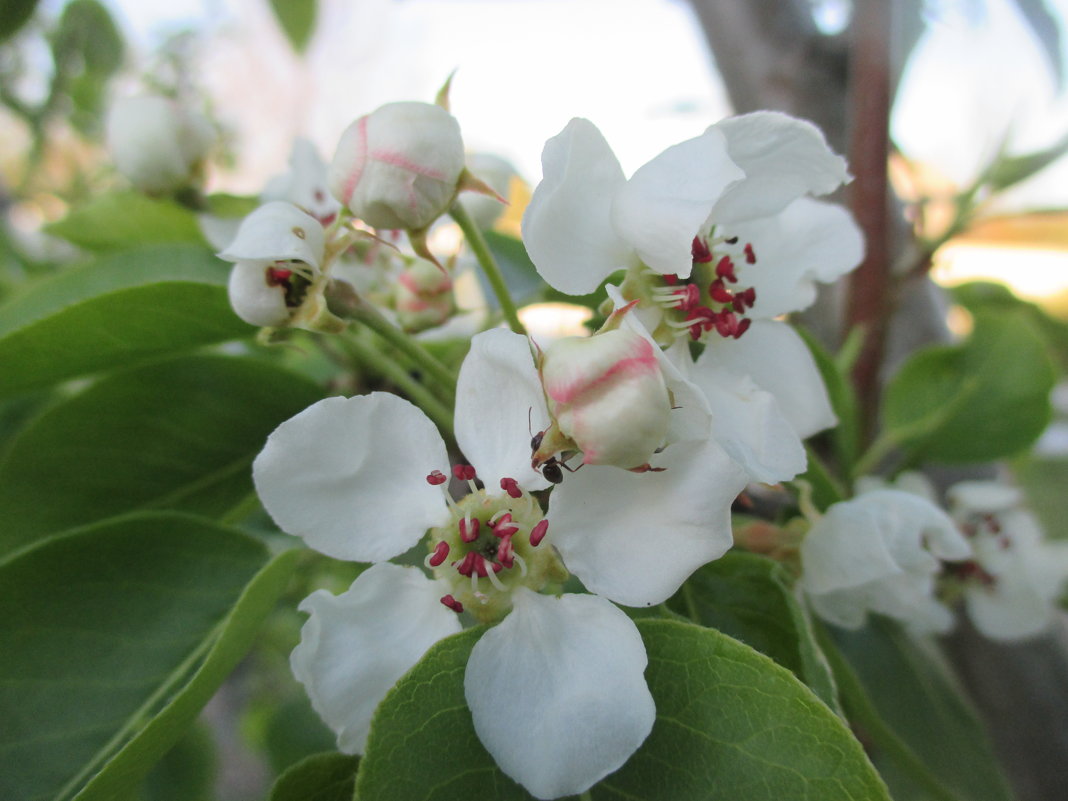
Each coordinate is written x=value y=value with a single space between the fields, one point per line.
x=505 y=526
x=452 y=603
x=496 y=582
x=725 y=269
x=699 y=250
x=435 y=478
x=750 y=256
x=522 y=564
x=441 y=553
x=511 y=486
x=719 y=292
x=469 y=529
x=277 y=276
x=537 y=534
x=467 y=564
x=505 y=552
x=464 y=472
x=743 y=326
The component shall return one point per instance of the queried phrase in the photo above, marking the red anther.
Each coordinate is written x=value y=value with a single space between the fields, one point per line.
x=505 y=552
x=743 y=326
x=992 y=523
x=467 y=564
x=738 y=305
x=690 y=296
x=436 y=478
x=511 y=486
x=452 y=603
x=700 y=251
x=504 y=527
x=464 y=472
x=719 y=292
x=670 y=279
x=441 y=553
x=726 y=324
x=480 y=565
x=725 y=269
x=748 y=297
x=537 y=534
x=750 y=256
x=277 y=276
x=469 y=529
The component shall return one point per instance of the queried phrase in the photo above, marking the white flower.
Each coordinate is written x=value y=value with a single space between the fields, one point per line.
x=399 y=166
x=1013 y=585
x=879 y=552
x=716 y=236
x=305 y=185
x=361 y=478
x=277 y=253
x=156 y=143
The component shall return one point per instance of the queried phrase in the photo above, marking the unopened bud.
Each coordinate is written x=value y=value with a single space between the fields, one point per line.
x=607 y=393
x=422 y=296
x=399 y=166
x=156 y=143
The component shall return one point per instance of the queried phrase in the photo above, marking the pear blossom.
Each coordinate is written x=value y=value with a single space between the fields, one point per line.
x=880 y=552
x=155 y=142
x=399 y=166
x=362 y=478
x=1014 y=582
x=715 y=235
x=277 y=253
x=305 y=184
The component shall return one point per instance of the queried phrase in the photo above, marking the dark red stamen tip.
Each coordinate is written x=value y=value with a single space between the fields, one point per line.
x=436 y=478
x=690 y=296
x=469 y=529
x=725 y=269
x=467 y=564
x=464 y=472
x=537 y=534
x=480 y=565
x=277 y=276
x=441 y=553
x=726 y=324
x=511 y=486
x=452 y=603
x=699 y=250
x=748 y=297
x=743 y=326
x=719 y=293
x=504 y=527
x=671 y=279
x=505 y=552
x=750 y=256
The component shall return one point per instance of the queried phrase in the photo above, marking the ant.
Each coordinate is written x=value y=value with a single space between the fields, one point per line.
x=549 y=468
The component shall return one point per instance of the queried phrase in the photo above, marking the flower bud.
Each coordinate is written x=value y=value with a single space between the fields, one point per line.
x=422 y=296
x=277 y=254
x=607 y=394
x=156 y=143
x=399 y=166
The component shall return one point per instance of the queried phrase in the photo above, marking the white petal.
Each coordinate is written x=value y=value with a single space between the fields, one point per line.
x=667 y=201
x=356 y=645
x=557 y=692
x=777 y=359
x=635 y=537
x=349 y=476
x=305 y=184
x=845 y=549
x=983 y=496
x=566 y=227
x=253 y=299
x=912 y=520
x=748 y=423
x=278 y=231
x=783 y=159
x=808 y=242
x=499 y=402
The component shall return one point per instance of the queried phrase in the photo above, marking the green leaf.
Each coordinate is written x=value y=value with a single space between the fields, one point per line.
x=319 y=777
x=917 y=697
x=186 y=772
x=114 y=636
x=518 y=270
x=984 y=399
x=297 y=18
x=87 y=35
x=748 y=597
x=730 y=725
x=124 y=219
x=180 y=434
x=846 y=435
x=127 y=308
x=13 y=15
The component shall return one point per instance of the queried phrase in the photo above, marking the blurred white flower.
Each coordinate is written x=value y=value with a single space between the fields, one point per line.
x=880 y=552
x=305 y=184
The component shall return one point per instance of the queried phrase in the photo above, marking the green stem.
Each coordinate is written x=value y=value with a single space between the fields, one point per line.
x=883 y=446
x=369 y=316
x=478 y=246
x=862 y=713
x=585 y=796
x=830 y=488
x=424 y=398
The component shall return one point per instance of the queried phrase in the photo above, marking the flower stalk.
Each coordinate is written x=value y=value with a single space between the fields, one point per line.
x=480 y=248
